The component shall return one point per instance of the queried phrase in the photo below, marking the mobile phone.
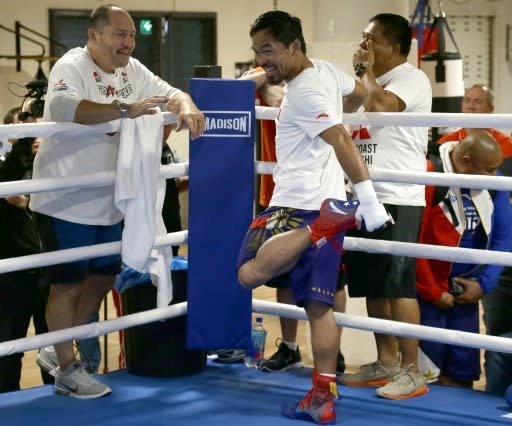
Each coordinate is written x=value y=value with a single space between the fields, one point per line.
x=455 y=289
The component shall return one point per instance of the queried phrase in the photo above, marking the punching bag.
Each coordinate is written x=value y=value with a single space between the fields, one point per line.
x=445 y=72
x=422 y=28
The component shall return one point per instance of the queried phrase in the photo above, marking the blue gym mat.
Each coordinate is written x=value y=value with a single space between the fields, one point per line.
x=235 y=395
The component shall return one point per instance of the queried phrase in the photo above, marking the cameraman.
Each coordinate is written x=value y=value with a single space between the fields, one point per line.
x=23 y=294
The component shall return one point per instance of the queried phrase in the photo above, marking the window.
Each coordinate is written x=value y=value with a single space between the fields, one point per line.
x=170 y=45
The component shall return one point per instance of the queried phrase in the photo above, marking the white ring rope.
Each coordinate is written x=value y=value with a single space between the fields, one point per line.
x=13 y=131
x=21 y=130
x=397 y=248
x=92 y=329
x=461 y=338
x=374 y=246
x=500 y=183
x=428 y=251
x=433 y=119
x=395 y=328
x=80 y=253
x=84 y=181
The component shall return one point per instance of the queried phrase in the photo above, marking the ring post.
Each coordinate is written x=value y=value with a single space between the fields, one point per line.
x=221 y=197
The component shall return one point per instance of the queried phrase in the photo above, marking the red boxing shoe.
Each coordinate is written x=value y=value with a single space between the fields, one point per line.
x=336 y=216
x=318 y=406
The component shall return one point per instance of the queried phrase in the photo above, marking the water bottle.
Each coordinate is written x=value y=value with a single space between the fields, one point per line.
x=254 y=355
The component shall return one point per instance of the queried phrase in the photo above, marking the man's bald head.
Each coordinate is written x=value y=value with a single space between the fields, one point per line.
x=477 y=154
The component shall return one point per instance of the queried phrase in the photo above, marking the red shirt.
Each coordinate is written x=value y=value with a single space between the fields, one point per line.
x=503 y=140
x=268 y=153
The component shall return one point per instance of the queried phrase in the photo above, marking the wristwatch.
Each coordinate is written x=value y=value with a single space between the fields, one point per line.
x=123 y=109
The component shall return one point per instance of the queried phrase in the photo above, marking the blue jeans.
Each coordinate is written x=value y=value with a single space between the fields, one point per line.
x=90 y=351
x=498 y=370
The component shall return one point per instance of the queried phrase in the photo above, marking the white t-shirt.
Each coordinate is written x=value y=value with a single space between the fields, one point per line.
x=307 y=170
x=76 y=75
x=399 y=147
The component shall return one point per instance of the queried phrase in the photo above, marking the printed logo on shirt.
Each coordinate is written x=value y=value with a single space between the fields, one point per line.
x=322 y=115
x=125 y=91
x=471 y=213
x=228 y=124
x=362 y=133
x=124 y=76
x=364 y=144
x=96 y=76
x=60 y=86
x=111 y=91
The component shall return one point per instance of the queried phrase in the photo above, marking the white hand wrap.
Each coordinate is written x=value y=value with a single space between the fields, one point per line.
x=370 y=209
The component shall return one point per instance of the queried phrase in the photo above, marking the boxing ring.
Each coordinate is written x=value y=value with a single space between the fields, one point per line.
x=232 y=394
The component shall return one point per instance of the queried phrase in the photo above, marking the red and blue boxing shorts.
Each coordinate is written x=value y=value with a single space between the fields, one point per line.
x=315 y=275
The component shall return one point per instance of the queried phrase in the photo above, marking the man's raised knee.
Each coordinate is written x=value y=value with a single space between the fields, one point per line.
x=248 y=278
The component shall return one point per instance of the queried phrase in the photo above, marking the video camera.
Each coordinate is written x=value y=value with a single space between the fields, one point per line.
x=36 y=92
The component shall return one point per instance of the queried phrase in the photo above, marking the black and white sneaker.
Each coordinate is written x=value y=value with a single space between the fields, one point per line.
x=284 y=359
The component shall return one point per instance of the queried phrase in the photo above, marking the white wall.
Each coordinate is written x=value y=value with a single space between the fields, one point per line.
x=338 y=25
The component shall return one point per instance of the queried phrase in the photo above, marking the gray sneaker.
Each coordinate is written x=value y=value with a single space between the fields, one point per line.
x=375 y=374
x=405 y=385
x=75 y=382
x=47 y=360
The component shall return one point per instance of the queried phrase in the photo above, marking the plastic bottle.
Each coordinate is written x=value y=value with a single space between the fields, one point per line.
x=254 y=355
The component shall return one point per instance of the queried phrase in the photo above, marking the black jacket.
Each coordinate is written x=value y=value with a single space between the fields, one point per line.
x=18 y=232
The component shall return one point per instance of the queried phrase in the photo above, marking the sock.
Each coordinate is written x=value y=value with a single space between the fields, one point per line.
x=327 y=374
x=291 y=345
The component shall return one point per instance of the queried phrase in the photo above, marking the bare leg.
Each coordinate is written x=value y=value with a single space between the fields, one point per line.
x=340 y=303
x=340 y=300
x=275 y=257
x=407 y=310
x=94 y=290
x=325 y=337
x=73 y=304
x=386 y=344
x=319 y=402
x=288 y=325
x=60 y=313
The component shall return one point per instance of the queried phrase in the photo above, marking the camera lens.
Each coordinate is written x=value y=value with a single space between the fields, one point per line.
x=38 y=108
x=22 y=116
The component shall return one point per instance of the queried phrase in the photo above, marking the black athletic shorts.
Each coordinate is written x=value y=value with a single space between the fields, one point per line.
x=383 y=275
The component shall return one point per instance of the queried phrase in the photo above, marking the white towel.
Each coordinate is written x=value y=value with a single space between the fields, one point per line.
x=139 y=195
